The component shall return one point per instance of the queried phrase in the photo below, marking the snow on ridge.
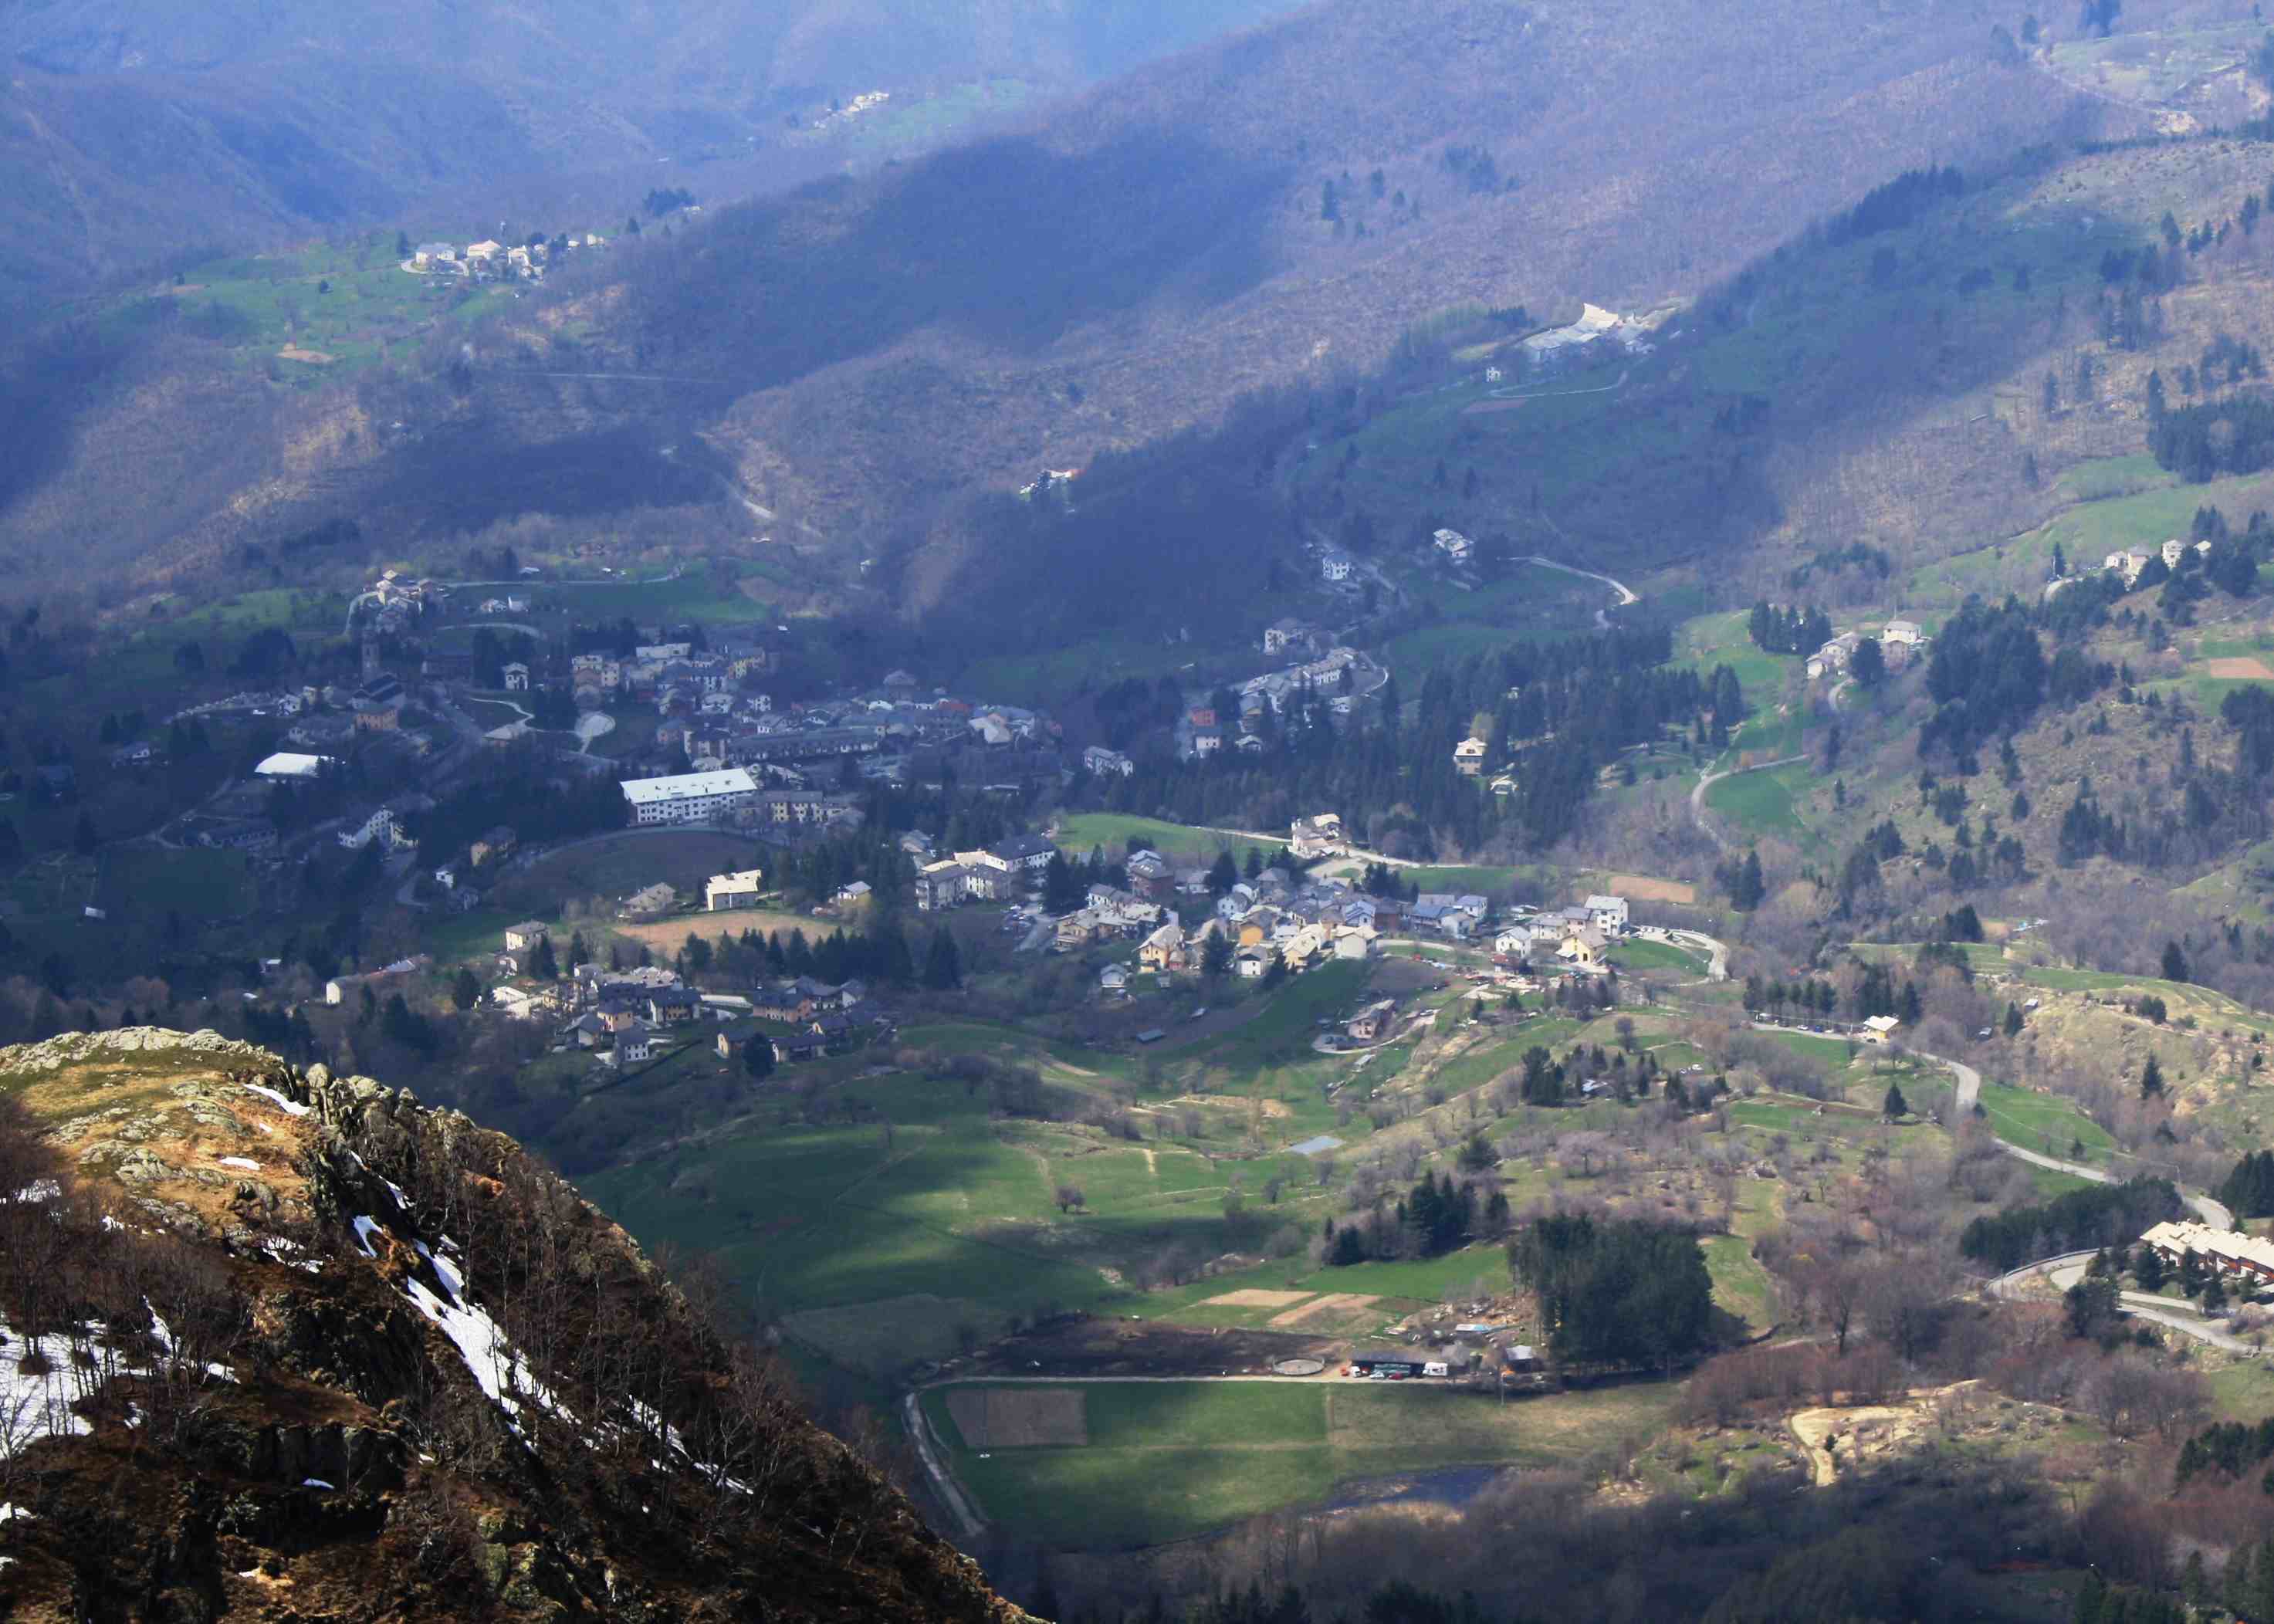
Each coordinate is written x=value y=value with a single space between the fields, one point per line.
x=290 y=1108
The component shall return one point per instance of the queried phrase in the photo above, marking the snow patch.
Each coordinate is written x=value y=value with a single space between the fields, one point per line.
x=9 y=1514
x=401 y=1199
x=40 y=1190
x=314 y=1483
x=241 y=1162
x=365 y=1228
x=290 y=1108
x=34 y=1407
x=497 y=1365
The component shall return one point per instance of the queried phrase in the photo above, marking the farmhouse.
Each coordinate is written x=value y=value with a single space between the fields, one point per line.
x=737 y=889
x=1320 y=836
x=523 y=937
x=689 y=797
x=651 y=900
x=1607 y=915
x=1469 y=757
x=1370 y=1024
x=1454 y=545
x=1879 y=1028
x=1336 y=564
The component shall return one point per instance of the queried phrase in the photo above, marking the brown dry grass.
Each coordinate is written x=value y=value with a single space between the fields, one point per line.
x=2238 y=666
x=1642 y=887
x=1019 y=1417
x=1337 y=1305
x=668 y=936
x=1256 y=1297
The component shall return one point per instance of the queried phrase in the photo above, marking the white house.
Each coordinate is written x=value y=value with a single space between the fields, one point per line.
x=516 y=677
x=1098 y=759
x=738 y=890
x=2173 y=550
x=1607 y=915
x=1454 y=545
x=1902 y=631
x=1336 y=564
x=523 y=937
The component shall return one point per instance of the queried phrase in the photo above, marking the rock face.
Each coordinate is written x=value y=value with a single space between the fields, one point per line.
x=285 y=1346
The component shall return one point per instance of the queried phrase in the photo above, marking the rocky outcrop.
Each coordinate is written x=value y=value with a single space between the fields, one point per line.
x=340 y=1355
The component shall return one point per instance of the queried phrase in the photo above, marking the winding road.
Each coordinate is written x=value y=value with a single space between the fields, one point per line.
x=2065 y=1270
x=1968 y=1095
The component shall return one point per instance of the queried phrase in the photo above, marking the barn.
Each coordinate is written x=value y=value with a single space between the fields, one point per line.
x=1391 y=1362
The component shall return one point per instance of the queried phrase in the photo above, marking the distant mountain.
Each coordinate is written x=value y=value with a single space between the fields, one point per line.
x=280 y=1346
x=1284 y=204
x=1280 y=205
x=133 y=129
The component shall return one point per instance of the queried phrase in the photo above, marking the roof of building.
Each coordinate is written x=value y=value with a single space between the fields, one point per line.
x=689 y=787
x=287 y=764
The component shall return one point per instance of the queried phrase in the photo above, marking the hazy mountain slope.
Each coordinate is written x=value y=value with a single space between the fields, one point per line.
x=1163 y=244
x=136 y=128
x=286 y=1347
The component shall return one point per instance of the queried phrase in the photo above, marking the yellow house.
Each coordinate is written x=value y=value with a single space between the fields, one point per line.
x=1163 y=949
x=1584 y=947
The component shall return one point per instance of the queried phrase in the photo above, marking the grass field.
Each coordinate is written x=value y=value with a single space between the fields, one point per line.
x=2044 y=1123
x=1112 y=830
x=1169 y=1460
x=1635 y=954
x=1761 y=803
x=323 y=308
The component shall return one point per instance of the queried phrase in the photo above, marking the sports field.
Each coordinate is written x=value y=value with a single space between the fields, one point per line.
x=1150 y=1461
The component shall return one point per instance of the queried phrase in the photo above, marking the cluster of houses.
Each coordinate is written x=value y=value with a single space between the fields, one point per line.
x=710 y=710
x=628 y=1017
x=1340 y=675
x=2222 y=1249
x=1300 y=922
x=2130 y=562
x=488 y=261
x=1580 y=936
x=1899 y=644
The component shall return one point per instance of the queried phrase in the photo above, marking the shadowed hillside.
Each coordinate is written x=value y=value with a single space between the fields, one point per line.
x=1380 y=163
